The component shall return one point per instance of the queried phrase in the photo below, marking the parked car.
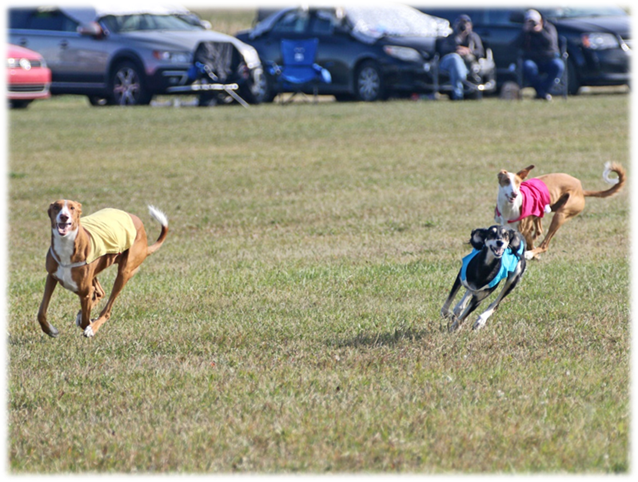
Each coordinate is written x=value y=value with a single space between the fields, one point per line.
x=28 y=77
x=598 y=40
x=127 y=55
x=371 y=53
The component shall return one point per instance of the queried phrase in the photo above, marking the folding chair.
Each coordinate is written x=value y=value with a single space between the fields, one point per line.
x=562 y=86
x=299 y=70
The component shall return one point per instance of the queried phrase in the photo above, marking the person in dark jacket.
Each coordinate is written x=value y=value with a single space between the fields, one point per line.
x=460 y=51
x=542 y=64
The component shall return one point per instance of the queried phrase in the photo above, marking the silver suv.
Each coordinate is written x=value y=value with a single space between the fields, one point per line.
x=126 y=56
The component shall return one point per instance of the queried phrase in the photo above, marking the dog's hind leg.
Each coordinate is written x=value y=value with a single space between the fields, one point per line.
x=97 y=293
x=557 y=221
x=510 y=284
x=469 y=302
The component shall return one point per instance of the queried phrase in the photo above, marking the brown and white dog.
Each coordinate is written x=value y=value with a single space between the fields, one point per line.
x=565 y=197
x=66 y=262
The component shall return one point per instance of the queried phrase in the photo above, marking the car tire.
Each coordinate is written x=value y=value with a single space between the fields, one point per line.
x=369 y=82
x=127 y=86
x=573 y=84
x=19 y=104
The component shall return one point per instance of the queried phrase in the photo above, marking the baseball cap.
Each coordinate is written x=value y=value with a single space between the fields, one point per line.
x=533 y=15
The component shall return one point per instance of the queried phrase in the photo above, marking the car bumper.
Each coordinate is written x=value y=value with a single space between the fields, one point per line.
x=606 y=67
x=412 y=77
x=28 y=84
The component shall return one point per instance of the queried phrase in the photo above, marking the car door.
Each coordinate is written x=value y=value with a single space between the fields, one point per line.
x=77 y=62
x=336 y=50
x=292 y=25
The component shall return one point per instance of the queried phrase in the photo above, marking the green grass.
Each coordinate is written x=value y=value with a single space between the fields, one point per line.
x=291 y=322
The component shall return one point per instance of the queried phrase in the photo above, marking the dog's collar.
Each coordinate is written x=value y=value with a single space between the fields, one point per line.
x=66 y=266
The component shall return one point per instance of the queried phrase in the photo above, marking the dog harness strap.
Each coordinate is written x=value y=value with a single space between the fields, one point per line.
x=66 y=266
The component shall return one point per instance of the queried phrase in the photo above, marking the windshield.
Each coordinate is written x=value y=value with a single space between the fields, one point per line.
x=144 y=22
x=396 y=21
x=572 y=12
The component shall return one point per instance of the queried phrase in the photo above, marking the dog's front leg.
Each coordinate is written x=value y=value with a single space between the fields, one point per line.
x=48 y=328
x=445 y=311
x=510 y=284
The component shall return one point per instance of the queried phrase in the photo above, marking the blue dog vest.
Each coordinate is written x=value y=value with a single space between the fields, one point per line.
x=509 y=261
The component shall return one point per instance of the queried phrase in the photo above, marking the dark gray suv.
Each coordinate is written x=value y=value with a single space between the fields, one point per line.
x=125 y=57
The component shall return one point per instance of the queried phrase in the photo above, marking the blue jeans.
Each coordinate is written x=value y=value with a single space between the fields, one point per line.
x=543 y=75
x=454 y=65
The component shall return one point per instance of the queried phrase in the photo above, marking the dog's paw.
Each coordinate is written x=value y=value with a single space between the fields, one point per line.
x=479 y=323
x=529 y=255
x=88 y=332
x=453 y=326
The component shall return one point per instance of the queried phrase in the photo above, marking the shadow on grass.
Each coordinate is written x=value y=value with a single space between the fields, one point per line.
x=388 y=338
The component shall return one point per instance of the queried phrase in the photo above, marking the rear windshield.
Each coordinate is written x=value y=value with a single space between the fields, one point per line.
x=573 y=12
x=144 y=22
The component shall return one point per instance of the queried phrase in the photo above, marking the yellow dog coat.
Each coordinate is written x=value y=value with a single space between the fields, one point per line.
x=112 y=232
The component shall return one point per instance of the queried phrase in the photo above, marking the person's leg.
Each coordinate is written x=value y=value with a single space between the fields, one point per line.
x=553 y=72
x=531 y=74
x=455 y=66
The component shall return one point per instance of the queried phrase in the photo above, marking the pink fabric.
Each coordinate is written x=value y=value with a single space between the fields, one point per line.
x=535 y=198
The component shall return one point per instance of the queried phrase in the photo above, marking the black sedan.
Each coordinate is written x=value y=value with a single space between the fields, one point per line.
x=598 y=40
x=371 y=53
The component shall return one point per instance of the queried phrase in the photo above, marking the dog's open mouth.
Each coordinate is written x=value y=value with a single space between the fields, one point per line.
x=498 y=250
x=64 y=228
x=512 y=197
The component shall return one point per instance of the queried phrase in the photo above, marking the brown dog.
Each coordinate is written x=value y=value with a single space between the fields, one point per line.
x=82 y=248
x=521 y=205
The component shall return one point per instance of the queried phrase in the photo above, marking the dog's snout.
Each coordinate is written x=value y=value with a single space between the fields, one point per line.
x=63 y=218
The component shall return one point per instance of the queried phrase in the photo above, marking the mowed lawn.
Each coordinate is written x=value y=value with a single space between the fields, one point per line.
x=290 y=323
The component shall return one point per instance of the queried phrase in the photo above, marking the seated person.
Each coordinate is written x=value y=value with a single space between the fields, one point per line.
x=460 y=49
x=542 y=64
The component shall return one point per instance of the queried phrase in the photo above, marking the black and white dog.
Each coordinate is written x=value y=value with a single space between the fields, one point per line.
x=498 y=254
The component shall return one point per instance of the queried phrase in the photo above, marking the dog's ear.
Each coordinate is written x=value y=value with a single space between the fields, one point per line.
x=515 y=240
x=523 y=174
x=477 y=240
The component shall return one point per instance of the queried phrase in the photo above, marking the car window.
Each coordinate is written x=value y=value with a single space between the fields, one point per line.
x=52 y=20
x=323 y=23
x=498 y=16
x=292 y=22
x=19 y=17
x=141 y=22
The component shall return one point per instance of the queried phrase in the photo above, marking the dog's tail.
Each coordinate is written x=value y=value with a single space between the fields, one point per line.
x=161 y=218
x=618 y=183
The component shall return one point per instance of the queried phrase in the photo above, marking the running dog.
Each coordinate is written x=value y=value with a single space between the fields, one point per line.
x=83 y=247
x=521 y=204
x=497 y=255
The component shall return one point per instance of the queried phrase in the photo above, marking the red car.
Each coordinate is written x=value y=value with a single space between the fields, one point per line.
x=29 y=78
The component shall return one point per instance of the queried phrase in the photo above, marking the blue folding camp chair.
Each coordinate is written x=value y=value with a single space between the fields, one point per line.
x=299 y=72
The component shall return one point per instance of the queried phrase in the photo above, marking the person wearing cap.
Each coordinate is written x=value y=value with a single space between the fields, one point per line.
x=459 y=50
x=542 y=64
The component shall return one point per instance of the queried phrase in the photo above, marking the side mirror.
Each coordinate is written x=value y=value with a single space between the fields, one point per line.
x=517 y=17
x=91 y=29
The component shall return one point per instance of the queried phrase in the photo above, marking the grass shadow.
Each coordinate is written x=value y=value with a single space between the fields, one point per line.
x=387 y=339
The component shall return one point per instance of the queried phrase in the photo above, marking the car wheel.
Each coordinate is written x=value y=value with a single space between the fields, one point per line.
x=19 y=104
x=369 y=82
x=573 y=84
x=127 y=86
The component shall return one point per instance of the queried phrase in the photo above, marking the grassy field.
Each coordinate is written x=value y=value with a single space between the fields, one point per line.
x=291 y=322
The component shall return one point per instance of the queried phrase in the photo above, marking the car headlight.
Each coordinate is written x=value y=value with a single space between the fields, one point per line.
x=600 y=41
x=18 y=63
x=403 y=53
x=172 y=57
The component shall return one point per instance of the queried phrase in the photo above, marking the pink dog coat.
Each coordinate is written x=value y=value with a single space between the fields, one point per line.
x=536 y=199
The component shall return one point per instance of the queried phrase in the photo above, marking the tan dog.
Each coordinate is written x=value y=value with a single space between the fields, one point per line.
x=82 y=248
x=564 y=196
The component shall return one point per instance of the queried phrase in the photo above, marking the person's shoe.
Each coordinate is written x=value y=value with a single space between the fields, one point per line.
x=546 y=97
